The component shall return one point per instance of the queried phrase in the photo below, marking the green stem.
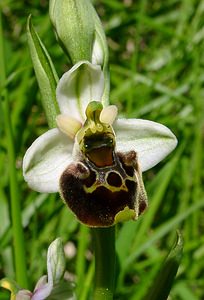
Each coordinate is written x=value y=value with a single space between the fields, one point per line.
x=104 y=247
x=18 y=238
x=81 y=259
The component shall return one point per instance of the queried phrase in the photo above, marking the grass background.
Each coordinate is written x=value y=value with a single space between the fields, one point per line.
x=157 y=73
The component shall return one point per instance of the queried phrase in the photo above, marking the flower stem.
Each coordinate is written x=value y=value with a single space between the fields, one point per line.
x=18 y=238
x=104 y=247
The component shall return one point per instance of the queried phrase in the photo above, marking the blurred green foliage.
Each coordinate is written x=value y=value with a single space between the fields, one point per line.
x=156 y=62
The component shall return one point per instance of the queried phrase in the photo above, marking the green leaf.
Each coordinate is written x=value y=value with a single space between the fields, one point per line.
x=45 y=72
x=162 y=284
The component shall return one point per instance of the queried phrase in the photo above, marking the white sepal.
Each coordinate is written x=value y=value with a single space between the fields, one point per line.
x=46 y=159
x=83 y=83
x=152 y=141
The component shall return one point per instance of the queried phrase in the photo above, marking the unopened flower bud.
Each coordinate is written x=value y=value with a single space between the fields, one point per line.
x=74 y=27
x=79 y=31
x=55 y=261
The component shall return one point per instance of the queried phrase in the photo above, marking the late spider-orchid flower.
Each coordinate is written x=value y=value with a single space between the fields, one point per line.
x=93 y=159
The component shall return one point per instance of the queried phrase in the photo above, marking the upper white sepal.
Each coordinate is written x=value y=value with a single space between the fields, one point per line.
x=83 y=83
x=152 y=141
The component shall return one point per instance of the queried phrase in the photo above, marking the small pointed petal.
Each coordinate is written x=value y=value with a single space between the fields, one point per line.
x=152 y=141
x=83 y=83
x=109 y=114
x=46 y=159
x=68 y=125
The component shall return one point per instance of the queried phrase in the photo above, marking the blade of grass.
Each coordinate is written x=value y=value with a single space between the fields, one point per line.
x=183 y=291
x=88 y=282
x=161 y=182
x=162 y=284
x=18 y=237
x=163 y=230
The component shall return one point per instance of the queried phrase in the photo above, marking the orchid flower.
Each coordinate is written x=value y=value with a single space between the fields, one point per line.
x=47 y=284
x=94 y=160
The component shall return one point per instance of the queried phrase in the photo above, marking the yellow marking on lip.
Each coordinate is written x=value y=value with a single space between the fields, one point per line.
x=113 y=189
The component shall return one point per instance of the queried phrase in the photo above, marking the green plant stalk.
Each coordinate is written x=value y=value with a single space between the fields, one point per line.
x=105 y=261
x=18 y=238
x=81 y=259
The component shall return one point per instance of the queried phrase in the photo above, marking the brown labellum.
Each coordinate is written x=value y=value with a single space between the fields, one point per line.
x=103 y=186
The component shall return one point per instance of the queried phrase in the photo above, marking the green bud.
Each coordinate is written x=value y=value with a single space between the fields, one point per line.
x=55 y=261
x=74 y=27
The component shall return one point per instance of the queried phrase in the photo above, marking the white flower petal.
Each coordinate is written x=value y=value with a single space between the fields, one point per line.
x=83 y=83
x=152 y=141
x=46 y=159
